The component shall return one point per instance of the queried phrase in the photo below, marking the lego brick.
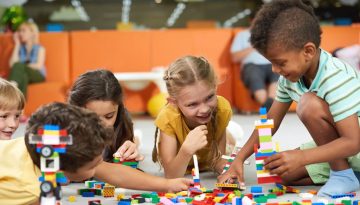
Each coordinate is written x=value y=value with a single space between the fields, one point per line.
x=262 y=110
x=265 y=132
x=259 y=154
x=87 y=194
x=256 y=189
x=272 y=179
x=51 y=127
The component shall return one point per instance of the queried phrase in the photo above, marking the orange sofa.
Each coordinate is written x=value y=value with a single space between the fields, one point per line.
x=136 y=51
x=333 y=37
x=57 y=68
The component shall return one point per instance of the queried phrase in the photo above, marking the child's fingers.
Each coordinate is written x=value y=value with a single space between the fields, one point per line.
x=140 y=157
x=131 y=150
x=133 y=155
x=273 y=164
x=272 y=158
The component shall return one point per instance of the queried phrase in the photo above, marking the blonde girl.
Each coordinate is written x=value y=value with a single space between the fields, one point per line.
x=194 y=121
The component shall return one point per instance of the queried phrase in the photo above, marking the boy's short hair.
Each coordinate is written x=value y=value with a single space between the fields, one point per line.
x=89 y=136
x=289 y=23
x=10 y=96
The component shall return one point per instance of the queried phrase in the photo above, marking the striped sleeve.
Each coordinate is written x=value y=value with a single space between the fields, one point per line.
x=341 y=90
x=281 y=93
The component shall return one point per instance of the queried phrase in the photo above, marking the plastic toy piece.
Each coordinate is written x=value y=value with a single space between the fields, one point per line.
x=72 y=198
x=351 y=195
x=266 y=148
x=195 y=173
x=131 y=163
x=108 y=191
x=288 y=189
x=50 y=141
x=256 y=189
x=94 y=202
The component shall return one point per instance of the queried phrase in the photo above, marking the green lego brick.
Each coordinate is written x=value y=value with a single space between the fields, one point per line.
x=134 y=201
x=237 y=193
x=259 y=166
x=267 y=151
x=296 y=203
x=188 y=200
x=265 y=139
x=116 y=160
x=155 y=199
x=271 y=196
x=261 y=199
x=146 y=195
x=346 y=202
x=130 y=163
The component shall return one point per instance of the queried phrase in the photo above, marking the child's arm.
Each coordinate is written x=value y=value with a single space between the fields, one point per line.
x=348 y=144
x=15 y=53
x=40 y=60
x=277 y=113
x=130 y=178
x=175 y=163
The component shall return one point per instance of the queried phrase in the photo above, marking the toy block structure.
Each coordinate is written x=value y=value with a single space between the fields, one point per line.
x=131 y=163
x=287 y=189
x=195 y=173
x=266 y=149
x=50 y=141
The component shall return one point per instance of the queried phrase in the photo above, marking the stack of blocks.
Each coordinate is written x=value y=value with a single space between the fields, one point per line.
x=108 y=191
x=195 y=173
x=266 y=149
x=131 y=163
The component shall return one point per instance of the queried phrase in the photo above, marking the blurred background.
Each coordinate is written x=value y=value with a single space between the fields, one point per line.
x=156 y=14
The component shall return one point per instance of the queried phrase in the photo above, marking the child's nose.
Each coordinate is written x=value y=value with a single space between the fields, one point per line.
x=275 y=69
x=204 y=108
x=12 y=121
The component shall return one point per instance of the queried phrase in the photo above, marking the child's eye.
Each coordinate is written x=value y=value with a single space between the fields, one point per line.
x=109 y=116
x=3 y=116
x=210 y=97
x=191 y=105
x=17 y=116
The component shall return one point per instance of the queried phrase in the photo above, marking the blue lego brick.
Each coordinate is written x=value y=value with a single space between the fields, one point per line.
x=262 y=111
x=259 y=154
x=342 y=195
x=356 y=202
x=263 y=120
x=88 y=194
x=196 y=180
x=221 y=194
x=173 y=200
x=61 y=180
x=318 y=203
x=123 y=202
x=255 y=195
x=51 y=127
x=256 y=189
x=238 y=201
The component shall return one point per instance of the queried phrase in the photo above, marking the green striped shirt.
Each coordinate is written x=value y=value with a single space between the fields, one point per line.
x=336 y=82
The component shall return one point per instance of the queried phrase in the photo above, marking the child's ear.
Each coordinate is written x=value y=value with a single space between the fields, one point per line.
x=310 y=50
x=171 y=100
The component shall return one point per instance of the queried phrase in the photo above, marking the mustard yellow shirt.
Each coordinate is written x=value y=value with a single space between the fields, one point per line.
x=19 y=176
x=171 y=121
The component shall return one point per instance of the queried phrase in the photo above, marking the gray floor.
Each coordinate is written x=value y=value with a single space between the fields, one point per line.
x=290 y=135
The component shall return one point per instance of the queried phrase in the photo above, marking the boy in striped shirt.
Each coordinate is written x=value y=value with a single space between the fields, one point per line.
x=327 y=91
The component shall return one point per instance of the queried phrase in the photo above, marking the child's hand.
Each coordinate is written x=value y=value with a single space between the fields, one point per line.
x=195 y=140
x=220 y=166
x=16 y=38
x=284 y=162
x=128 y=151
x=178 y=184
x=235 y=171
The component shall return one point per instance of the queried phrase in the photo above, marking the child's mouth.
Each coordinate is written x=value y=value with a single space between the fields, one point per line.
x=6 y=134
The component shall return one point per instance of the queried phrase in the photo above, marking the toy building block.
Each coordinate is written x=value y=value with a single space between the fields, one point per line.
x=356 y=202
x=120 y=196
x=72 y=198
x=50 y=141
x=288 y=189
x=94 y=202
x=131 y=163
x=266 y=148
x=351 y=195
x=256 y=189
x=195 y=173
x=87 y=194
x=108 y=191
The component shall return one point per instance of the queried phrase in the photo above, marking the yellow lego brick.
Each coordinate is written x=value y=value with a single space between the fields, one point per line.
x=220 y=185
x=170 y=195
x=217 y=199
x=263 y=171
x=182 y=193
x=52 y=132
x=72 y=198
x=120 y=196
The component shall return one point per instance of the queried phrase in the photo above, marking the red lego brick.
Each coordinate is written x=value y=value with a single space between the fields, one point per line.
x=272 y=179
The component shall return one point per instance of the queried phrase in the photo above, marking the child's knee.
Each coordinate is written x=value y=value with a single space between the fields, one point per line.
x=311 y=106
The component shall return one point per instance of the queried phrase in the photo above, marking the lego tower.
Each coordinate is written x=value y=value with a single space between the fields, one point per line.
x=266 y=149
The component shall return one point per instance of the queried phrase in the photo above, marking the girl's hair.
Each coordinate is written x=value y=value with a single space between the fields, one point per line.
x=289 y=23
x=102 y=85
x=185 y=71
x=10 y=96
x=34 y=29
